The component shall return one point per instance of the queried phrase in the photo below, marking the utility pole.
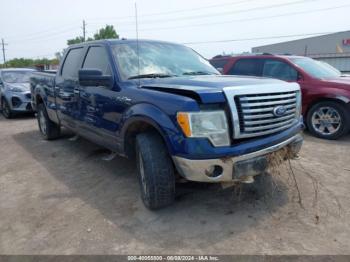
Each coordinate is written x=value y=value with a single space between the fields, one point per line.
x=3 y=50
x=84 y=30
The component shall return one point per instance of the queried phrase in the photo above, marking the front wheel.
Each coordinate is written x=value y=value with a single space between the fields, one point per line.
x=155 y=171
x=5 y=109
x=48 y=129
x=328 y=120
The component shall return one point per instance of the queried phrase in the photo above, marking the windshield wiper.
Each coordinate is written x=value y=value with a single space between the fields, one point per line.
x=153 y=75
x=194 y=73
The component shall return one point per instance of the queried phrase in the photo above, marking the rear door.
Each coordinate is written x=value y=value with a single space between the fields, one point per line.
x=67 y=88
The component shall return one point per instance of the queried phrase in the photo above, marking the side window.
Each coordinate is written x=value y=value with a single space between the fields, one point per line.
x=97 y=58
x=279 y=69
x=71 y=63
x=248 y=67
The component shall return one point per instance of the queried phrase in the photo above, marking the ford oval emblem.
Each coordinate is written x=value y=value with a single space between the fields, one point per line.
x=279 y=111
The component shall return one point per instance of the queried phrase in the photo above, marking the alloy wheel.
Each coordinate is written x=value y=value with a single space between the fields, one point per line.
x=326 y=120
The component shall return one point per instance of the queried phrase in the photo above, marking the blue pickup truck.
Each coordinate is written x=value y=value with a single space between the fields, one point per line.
x=167 y=107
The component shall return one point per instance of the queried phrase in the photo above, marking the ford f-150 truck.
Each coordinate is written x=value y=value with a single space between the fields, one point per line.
x=165 y=105
x=325 y=91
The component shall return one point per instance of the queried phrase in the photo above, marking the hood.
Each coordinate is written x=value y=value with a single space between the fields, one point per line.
x=207 y=89
x=19 y=87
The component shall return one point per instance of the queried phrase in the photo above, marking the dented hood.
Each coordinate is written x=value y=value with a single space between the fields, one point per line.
x=207 y=89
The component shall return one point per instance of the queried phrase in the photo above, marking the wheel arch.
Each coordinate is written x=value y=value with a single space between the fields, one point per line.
x=142 y=117
x=137 y=125
x=337 y=99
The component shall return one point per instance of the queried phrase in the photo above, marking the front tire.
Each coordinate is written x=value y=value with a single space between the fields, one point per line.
x=328 y=120
x=155 y=171
x=5 y=109
x=48 y=129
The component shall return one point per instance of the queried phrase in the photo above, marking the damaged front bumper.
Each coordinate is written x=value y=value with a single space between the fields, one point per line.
x=238 y=168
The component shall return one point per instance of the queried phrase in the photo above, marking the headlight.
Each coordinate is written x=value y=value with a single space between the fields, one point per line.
x=208 y=124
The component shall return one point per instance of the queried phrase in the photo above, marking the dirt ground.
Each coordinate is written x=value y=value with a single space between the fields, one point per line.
x=60 y=197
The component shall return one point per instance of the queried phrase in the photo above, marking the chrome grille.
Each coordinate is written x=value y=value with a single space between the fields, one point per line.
x=256 y=113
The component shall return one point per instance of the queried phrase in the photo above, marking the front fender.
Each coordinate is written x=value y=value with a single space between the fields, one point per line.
x=325 y=94
x=158 y=119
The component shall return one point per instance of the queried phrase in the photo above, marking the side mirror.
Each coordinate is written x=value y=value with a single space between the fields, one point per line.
x=94 y=77
x=220 y=69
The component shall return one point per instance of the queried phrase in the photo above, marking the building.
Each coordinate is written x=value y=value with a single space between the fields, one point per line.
x=332 y=48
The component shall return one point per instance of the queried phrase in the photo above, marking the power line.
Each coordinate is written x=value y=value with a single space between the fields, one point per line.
x=42 y=33
x=246 y=19
x=193 y=17
x=53 y=35
x=131 y=17
x=177 y=11
x=256 y=38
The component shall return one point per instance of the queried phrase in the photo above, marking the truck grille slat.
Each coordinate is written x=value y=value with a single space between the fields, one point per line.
x=267 y=132
x=265 y=109
x=258 y=104
x=264 y=127
x=264 y=97
x=268 y=121
x=256 y=113
x=252 y=116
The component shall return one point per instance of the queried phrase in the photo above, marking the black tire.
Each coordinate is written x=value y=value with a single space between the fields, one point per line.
x=5 y=109
x=48 y=129
x=340 y=130
x=155 y=171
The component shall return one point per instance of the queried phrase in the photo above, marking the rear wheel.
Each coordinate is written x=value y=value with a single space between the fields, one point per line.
x=5 y=109
x=48 y=129
x=155 y=171
x=328 y=120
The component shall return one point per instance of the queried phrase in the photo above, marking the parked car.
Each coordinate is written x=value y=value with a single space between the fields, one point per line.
x=165 y=105
x=326 y=93
x=15 y=96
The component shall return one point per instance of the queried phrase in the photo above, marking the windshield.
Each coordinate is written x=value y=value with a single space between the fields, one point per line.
x=159 y=60
x=16 y=76
x=330 y=67
x=316 y=69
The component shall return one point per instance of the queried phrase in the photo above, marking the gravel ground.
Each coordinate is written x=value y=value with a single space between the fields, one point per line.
x=60 y=197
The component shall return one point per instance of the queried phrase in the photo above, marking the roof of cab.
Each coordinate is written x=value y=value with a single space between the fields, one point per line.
x=123 y=40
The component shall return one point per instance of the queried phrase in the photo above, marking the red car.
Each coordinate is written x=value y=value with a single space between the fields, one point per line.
x=326 y=93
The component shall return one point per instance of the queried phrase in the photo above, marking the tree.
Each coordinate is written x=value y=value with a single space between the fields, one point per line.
x=28 y=62
x=77 y=40
x=106 y=33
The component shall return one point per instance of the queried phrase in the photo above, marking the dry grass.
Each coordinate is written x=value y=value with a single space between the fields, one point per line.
x=287 y=170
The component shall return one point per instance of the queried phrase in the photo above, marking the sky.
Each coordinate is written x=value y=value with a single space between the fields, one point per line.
x=40 y=28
